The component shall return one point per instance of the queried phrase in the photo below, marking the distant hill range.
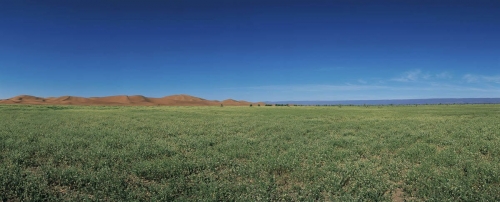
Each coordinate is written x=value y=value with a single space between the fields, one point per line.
x=397 y=102
x=135 y=100
x=188 y=100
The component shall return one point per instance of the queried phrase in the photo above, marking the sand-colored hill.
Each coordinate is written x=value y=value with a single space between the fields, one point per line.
x=231 y=102
x=119 y=99
x=181 y=100
x=24 y=99
x=135 y=100
x=69 y=100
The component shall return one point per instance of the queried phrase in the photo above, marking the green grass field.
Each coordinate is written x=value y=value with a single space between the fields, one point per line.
x=424 y=153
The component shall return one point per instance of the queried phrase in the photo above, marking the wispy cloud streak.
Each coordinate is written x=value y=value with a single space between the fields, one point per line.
x=332 y=88
x=471 y=78
x=444 y=75
x=412 y=76
x=317 y=87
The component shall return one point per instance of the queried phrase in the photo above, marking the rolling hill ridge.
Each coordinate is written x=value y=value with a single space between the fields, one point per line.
x=125 y=100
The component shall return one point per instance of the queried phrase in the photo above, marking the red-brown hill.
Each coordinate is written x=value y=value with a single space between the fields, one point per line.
x=135 y=100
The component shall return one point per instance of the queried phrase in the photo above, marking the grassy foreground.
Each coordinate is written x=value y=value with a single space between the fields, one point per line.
x=424 y=153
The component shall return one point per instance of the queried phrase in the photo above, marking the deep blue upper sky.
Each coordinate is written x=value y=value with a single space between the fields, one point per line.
x=252 y=50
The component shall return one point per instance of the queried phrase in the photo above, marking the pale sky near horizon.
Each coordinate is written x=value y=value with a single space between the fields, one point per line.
x=251 y=50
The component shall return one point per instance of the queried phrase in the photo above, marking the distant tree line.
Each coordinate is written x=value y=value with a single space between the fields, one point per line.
x=364 y=105
x=278 y=105
x=381 y=105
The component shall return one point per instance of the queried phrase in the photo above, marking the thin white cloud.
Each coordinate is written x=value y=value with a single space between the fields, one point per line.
x=471 y=78
x=412 y=76
x=317 y=87
x=413 y=84
x=450 y=87
x=355 y=91
x=418 y=75
x=444 y=75
x=431 y=86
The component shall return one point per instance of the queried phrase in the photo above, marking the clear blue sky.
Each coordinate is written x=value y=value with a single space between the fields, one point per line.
x=251 y=49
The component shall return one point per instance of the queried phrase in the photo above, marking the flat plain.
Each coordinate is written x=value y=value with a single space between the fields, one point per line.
x=348 y=153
